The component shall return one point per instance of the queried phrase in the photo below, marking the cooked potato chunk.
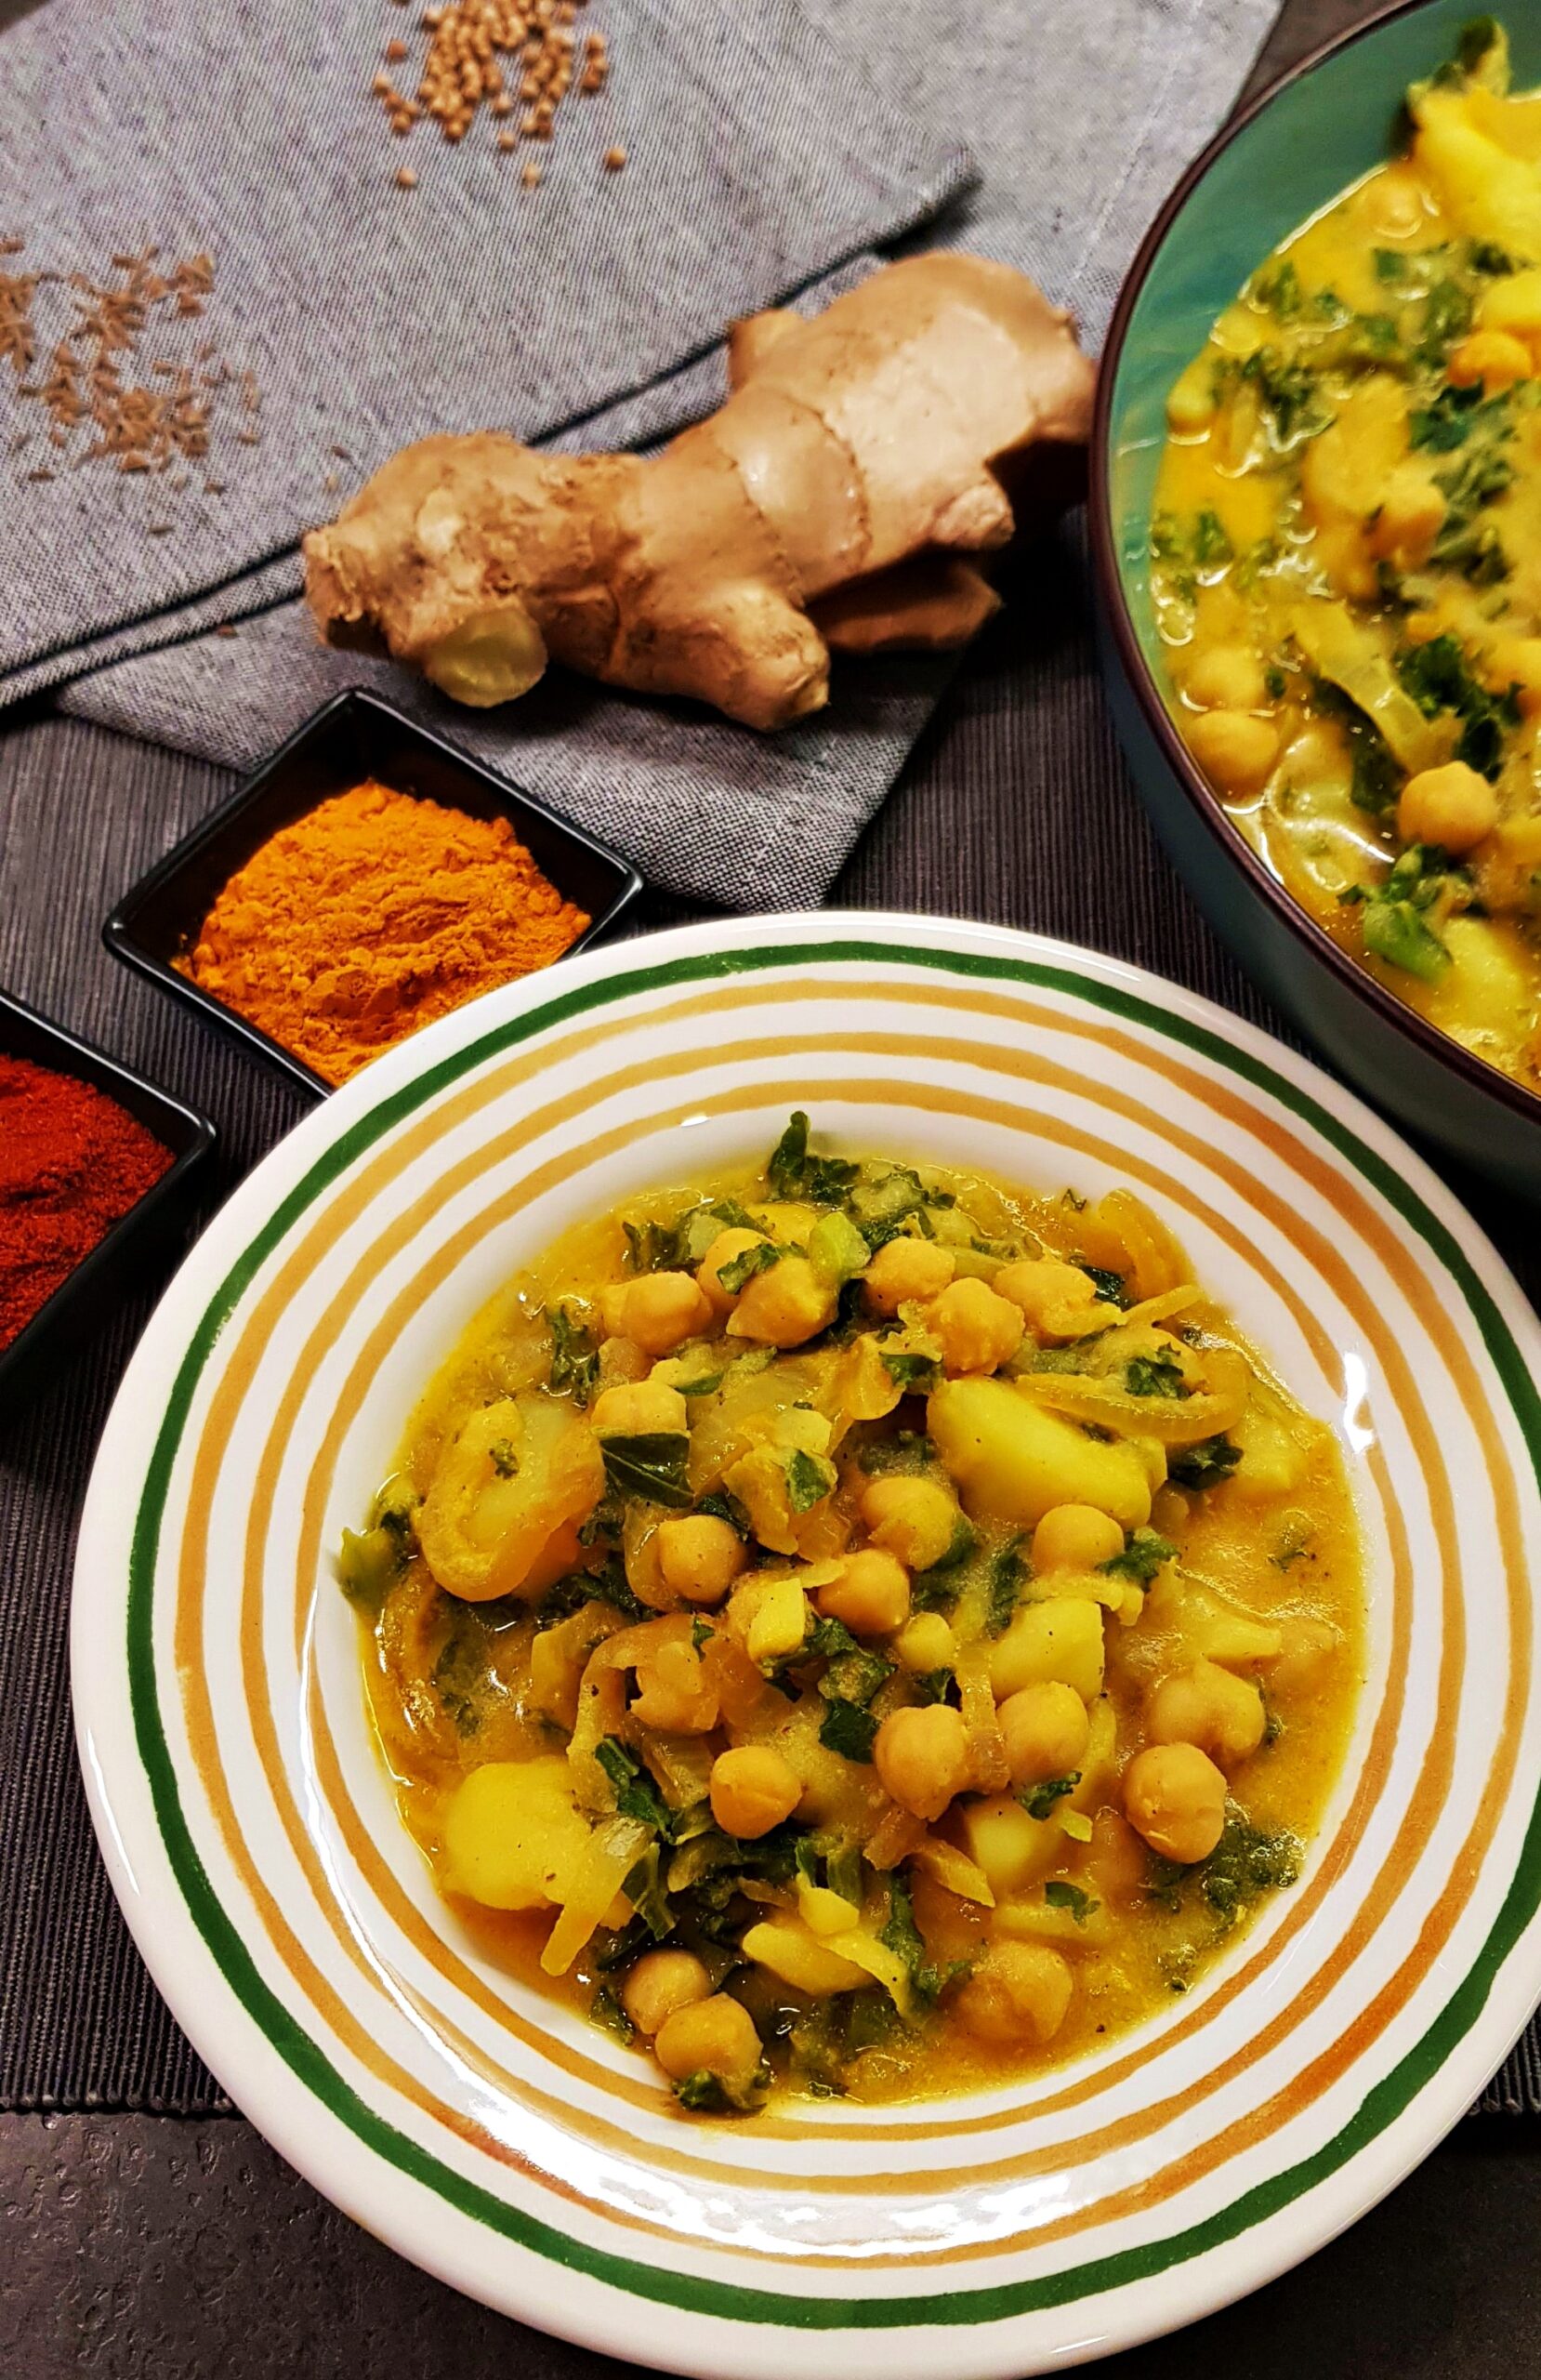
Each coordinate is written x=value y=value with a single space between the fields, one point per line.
x=1013 y=1461
x=514 y=1837
x=1058 y=1640
x=507 y=1489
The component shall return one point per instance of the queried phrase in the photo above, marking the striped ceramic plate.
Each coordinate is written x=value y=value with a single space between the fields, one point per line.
x=510 y=2148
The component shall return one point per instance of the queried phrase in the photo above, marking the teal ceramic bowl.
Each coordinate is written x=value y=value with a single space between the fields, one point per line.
x=1300 y=146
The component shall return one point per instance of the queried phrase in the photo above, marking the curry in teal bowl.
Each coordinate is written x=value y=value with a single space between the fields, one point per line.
x=1316 y=507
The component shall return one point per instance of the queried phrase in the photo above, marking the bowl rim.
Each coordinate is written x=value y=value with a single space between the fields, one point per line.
x=287 y=2113
x=1203 y=802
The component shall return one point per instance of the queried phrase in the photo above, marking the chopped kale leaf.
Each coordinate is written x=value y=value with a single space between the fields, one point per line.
x=902 y=1936
x=809 y=1479
x=1211 y=544
x=850 y=1729
x=1038 y=1800
x=741 y=1269
x=605 y=2010
x=794 y=1172
x=723 y=1507
x=1060 y=1895
x=1157 y=1375
x=1287 y=392
x=1246 y=1863
x=1141 y=1558
x=1112 y=1287
x=708 y=2093
x=855 y=1677
x=652 y=1465
x=1277 y=288
x=607 y=1585
x=575 y=1357
x=635 y=1794
x=1204 y=1465
x=827 y=1639
x=1003 y=1584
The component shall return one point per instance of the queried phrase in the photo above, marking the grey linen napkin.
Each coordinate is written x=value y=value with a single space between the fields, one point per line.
x=355 y=314
x=1081 y=113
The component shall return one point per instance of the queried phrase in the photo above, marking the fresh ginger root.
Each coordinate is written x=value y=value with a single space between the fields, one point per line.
x=835 y=499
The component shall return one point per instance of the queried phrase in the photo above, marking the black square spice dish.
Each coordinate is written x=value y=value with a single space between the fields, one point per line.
x=95 y=1169
x=454 y=852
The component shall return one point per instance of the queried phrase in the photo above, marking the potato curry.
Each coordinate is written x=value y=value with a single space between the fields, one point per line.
x=852 y=1628
x=1346 y=562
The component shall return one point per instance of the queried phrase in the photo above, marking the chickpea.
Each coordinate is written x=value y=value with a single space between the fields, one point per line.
x=1309 y=1646
x=1226 y=678
x=699 y=1557
x=1345 y=562
x=1044 y=1729
x=621 y=1360
x=1206 y=1706
x=1075 y=1536
x=643 y=1409
x=752 y=1790
x=1515 y=662
x=925 y=1643
x=724 y=1248
x=1234 y=749
x=1452 y=806
x=922 y=1758
x=675 y=1693
x=1496 y=358
x=1058 y=1300
x=977 y=1328
x=661 y=1982
x=915 y=1520
x=1173 y=1795
x=906 y=1269
x=1018 y=1992
x=786 y=1305
x=715 y=2036
x=659 y=1312
x=872 y=1594
x=1407 y=520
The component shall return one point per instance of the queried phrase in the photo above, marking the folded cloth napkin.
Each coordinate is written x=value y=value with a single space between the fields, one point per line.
x=323 y=314
x=1081 y=117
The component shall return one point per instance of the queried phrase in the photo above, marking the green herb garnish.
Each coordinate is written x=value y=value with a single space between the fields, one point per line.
x=1204 y=1465
x=575 y=1357
x=652 y=1465
x=1038 y=1800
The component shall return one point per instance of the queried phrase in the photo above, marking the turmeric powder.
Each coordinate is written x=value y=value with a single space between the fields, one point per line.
x=372 y=915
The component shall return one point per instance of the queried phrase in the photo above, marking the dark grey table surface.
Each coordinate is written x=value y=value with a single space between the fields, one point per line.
x=136 y=2245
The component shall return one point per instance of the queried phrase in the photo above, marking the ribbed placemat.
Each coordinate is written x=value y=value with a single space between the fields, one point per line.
x=1018 y=810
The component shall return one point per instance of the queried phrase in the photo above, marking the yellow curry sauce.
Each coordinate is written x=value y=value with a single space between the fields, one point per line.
x=861 y=1629
x=1346 y=557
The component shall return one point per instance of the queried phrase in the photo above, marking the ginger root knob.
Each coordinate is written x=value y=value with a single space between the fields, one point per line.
x=491 y=658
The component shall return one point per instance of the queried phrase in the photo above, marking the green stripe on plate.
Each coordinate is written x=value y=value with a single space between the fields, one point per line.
x=728 y=2301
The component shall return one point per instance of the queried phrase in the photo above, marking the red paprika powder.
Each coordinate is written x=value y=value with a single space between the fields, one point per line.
x=72 y=1162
